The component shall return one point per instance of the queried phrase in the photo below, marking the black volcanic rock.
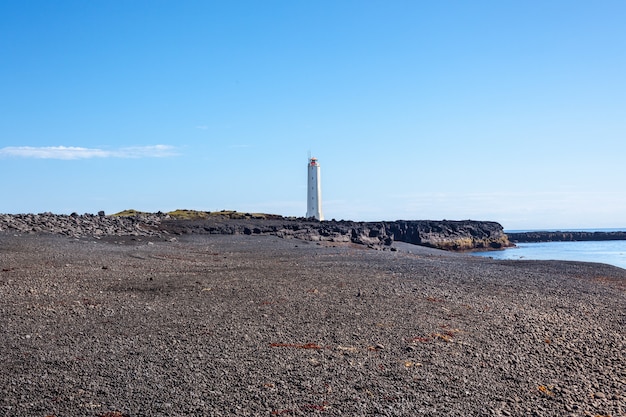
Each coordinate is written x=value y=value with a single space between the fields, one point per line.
x=449 y=235
x=76 y=225
x=564 y=236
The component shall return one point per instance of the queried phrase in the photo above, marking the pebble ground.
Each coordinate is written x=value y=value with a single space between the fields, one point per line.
x=260 y=326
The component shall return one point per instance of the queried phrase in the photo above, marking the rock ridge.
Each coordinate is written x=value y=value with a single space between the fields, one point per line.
x=576 y=236
x=445 y=234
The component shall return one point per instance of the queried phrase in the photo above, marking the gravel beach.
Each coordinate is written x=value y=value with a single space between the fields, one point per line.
x=216 y=325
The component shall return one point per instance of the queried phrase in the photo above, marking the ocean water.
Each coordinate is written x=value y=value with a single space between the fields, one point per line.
x=611 y=252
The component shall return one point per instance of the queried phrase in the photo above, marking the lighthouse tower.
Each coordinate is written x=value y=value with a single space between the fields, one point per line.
x=314 y=191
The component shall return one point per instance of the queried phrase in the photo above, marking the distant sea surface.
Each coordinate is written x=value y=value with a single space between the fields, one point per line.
x=611 y=252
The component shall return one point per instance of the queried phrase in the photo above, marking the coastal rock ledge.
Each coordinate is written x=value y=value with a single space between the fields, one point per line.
x=445 y=234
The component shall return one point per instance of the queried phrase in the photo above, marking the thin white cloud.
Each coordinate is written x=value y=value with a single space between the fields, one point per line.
x=155 y=151
x=75 y=152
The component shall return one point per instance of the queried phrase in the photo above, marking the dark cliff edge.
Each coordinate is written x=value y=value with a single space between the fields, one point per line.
x=530 y=237
x=445 y=234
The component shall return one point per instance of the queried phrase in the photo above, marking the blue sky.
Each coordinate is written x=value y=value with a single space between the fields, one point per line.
x=488 y=110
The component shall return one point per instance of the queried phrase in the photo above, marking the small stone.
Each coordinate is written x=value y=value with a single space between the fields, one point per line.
x=599 y=395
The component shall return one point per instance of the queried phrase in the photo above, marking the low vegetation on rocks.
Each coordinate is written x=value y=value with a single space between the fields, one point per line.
x=184 y=214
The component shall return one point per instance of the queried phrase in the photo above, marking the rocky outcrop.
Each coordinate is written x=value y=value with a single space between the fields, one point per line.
x=449 y=235
x=527 y=237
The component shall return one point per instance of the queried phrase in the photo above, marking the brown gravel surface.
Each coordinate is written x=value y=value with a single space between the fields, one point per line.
x=243 y=325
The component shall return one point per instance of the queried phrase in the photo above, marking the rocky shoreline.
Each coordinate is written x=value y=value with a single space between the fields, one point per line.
x=445 y=234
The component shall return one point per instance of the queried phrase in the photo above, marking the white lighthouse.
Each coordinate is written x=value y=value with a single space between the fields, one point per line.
x=314 y=191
